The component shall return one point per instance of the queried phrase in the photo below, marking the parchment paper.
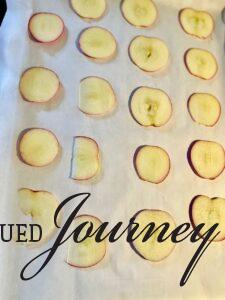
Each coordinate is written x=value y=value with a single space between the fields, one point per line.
x=119 y=193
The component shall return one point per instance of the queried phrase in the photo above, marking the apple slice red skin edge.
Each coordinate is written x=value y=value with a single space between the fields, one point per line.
x=99 y=115
x=191 y=164
x=88 y=19
x=22 y=133
x=189 y=71
x=188 y=107
x=194 y=35
x=44 y=102
x=39 y=41
x=94 y=59
x=147 y=26
x=88 y=178
x=132 y=244
x=34 y=191
x=129 y=105
x=86 y=267
x=135 y=167
x=148 y=72
x=192 y=219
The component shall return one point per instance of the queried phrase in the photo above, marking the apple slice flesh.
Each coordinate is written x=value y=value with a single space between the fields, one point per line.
x=97 y=43
x=209 y=211
x=38 y=147
x=204 y=108
x=149 y=54
x=88 y=252
x=45 y=27
x=150 y=107
x=196 y=22
x=201 y=63
x=38 y=84
x=139 y=13
x=91 y=9
x=151 y=249
x=151 y=163
x=41 y=207
x=85 y=162
x=206 y=158
x=96 y=96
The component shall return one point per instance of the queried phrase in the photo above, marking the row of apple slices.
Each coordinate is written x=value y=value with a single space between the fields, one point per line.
x=148 y=53
x=48 y=27
x=98 y=44
x=140 y=14
x=194 y=22
x=152 y=163
x=151 y=55
x=148 y=106
x=152 y=107
x=41 y=205
x=40 y=85
x=206 y=158
x=39 y=147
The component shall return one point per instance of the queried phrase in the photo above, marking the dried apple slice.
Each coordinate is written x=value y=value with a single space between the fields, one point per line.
x=200 y=63
x=149 y=54
x=206 y=158
x=208 y=211
x=96 y=96
x=204 y=109
x=88 y=252
x=139 y=13
x=45 y=27
x=41 y=207
x=150 y=107
x=196 y=22
x=97 y=43
x=89 y=9
x=85 y=162
x=152 y=249
x=38 y=84
x=151 y=163
x=38 y=147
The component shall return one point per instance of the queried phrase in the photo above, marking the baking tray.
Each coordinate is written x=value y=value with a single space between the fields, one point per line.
x=119 y=193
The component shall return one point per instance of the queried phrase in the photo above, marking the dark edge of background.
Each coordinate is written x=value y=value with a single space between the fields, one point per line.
x=3 y=8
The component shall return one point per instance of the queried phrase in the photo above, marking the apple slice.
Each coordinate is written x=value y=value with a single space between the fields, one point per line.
x=38 y=147
x=97 y=43
x=38 y=84
x=206 y=158
x=85 y=162
x=96 y=96
x=209 y=211
x=151 y=163
x=196 y=22
x=152 y=249
x=89 y=9
x=41 y=207
x=149 y=54
x=88 y=252
x=45 y=27
x=200 y=63
x=150 y=107
x=204 y=109
x=139 y=13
